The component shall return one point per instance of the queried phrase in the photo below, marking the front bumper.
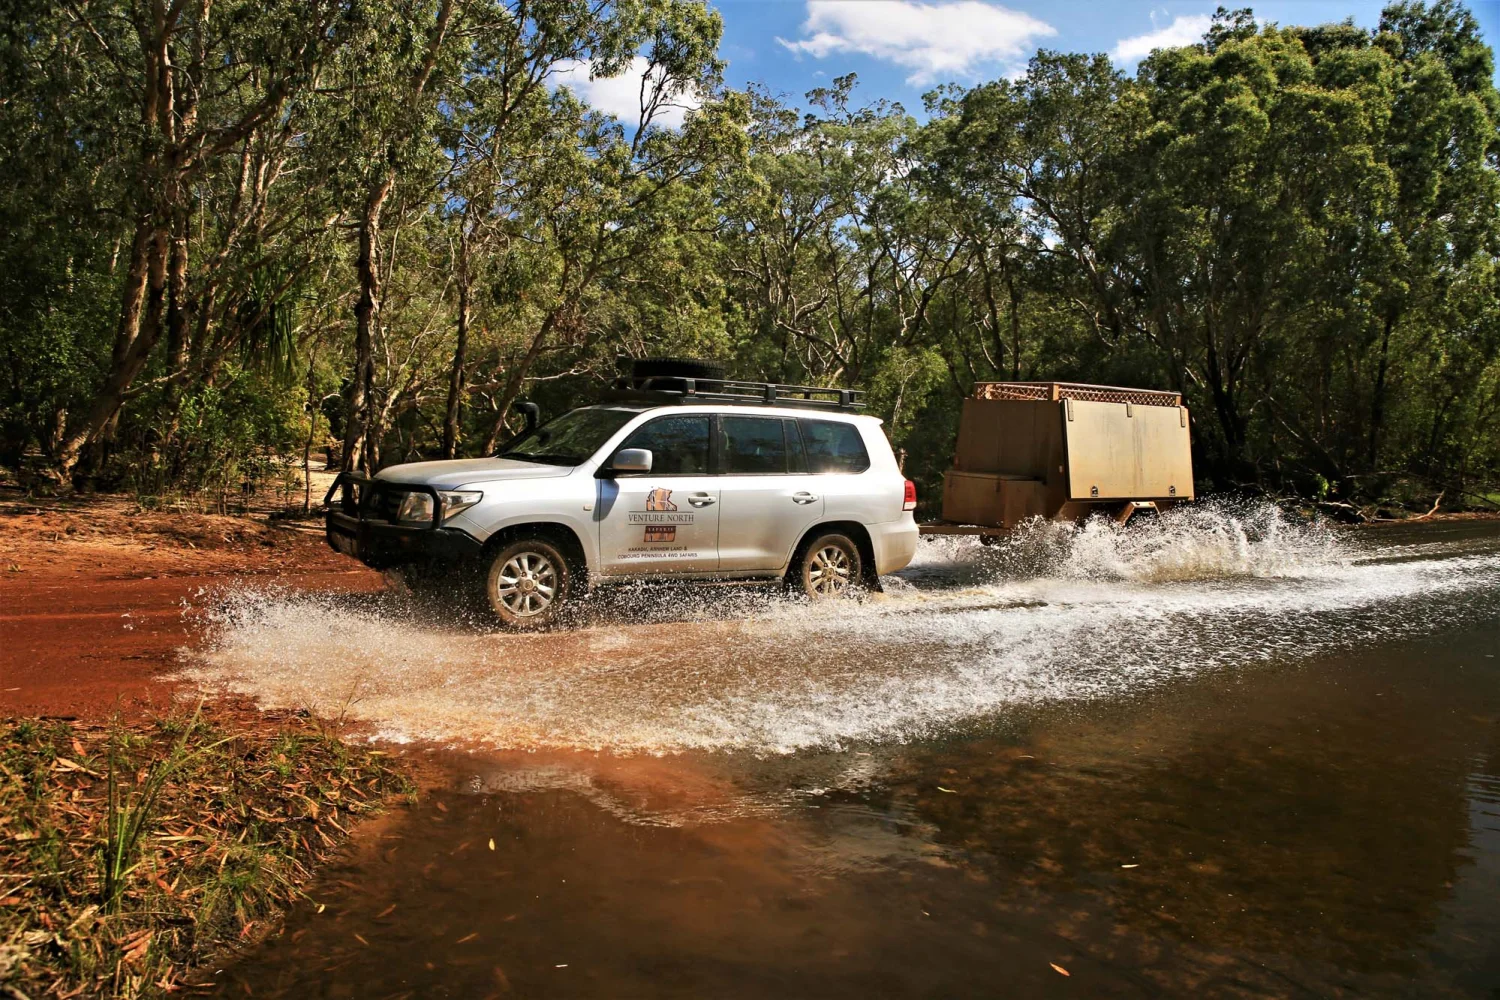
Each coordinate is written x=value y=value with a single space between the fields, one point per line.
x=355 y=526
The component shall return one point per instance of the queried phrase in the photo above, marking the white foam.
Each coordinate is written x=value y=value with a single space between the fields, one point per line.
x=1056 y=613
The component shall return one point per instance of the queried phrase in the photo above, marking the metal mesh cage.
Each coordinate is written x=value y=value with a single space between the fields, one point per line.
x=1075 y=390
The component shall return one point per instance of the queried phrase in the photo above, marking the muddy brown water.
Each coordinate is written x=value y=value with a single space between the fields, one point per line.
x=1220 y=756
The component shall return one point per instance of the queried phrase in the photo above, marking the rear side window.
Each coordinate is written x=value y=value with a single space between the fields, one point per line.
x=833 y=447
x=752 y=446
x=678 y=445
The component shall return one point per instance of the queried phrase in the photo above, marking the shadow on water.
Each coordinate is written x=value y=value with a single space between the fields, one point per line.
x=1282 y=779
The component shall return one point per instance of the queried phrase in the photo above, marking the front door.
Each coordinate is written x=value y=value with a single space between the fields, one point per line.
x=665 y=521
x=768 y=499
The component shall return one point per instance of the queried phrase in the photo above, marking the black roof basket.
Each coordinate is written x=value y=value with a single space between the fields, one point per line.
x=670 y=390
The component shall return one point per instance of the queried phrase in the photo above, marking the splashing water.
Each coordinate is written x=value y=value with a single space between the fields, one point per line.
x=1214 y=539
x=1054 y=613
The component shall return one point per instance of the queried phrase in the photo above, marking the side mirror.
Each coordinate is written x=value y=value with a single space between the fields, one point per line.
x=532 y=413
x=631 y=460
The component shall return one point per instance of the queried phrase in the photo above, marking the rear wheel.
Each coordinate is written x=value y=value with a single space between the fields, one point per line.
x=529 y=584
x=830 y=567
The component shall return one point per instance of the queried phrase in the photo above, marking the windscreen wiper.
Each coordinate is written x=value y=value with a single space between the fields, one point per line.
x=542 y=459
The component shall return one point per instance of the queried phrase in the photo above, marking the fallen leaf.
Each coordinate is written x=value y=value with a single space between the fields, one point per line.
x=361 y=940
x=1130 y=866
x=467 y=938
x=492 y=843
x=948 y=790
x=136 y=947
x=1059 y=969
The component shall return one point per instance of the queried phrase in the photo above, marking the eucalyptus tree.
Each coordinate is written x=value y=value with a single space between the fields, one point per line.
x=1440 y=142
x=198 y=80
x=829 y=265
x=603 y=201
x=389 y=109
x=496 y=116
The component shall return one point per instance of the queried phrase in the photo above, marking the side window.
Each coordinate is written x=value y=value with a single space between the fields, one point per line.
x=752 y=446
x=678 y=445
x=834 y=447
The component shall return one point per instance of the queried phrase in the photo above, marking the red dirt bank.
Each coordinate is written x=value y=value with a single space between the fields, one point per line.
x=93 y=593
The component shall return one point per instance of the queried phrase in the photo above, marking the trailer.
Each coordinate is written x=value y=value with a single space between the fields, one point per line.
x=1063 y=451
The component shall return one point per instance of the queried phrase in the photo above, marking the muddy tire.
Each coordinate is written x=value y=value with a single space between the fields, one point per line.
x=828 y=568
x=529 y=584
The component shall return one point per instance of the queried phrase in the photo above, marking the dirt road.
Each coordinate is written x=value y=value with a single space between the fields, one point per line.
x=95 y=595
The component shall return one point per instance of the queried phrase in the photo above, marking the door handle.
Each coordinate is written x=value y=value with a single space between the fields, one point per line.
x=702 y=500
x=804 y=497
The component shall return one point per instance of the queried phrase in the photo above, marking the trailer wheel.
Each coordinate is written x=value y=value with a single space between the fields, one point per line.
x=830 y=568
x=529 y=584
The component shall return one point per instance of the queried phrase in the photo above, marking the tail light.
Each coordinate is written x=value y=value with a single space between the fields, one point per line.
x=909 y=501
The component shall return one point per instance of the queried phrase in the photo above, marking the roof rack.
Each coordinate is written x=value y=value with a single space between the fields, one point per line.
x=1053 y=391
x=675 y=390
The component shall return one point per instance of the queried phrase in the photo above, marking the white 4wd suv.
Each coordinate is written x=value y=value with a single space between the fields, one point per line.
x=684 y=484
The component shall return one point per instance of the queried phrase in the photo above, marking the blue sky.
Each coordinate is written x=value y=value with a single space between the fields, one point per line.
x=901 y=48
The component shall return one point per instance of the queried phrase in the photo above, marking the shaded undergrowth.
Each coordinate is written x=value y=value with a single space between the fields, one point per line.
x=129 y=852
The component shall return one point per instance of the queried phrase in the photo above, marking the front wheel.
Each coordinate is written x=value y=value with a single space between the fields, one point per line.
x=830 y=568
x=529 y=584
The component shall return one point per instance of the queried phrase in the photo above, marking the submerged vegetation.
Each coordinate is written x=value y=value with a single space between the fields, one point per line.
x=129 y=852
x=238 y=233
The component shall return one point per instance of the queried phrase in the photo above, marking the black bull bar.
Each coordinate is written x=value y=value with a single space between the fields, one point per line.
x=361 y=522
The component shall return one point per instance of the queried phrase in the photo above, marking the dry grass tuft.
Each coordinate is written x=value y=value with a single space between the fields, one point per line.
x=130 y=852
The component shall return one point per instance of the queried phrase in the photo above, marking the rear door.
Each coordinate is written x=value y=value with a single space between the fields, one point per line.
x=664 y=521
x=768 y=499
x=839 y=459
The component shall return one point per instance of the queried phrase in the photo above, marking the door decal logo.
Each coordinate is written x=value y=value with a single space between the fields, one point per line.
x=660 y=510
x=661 y=533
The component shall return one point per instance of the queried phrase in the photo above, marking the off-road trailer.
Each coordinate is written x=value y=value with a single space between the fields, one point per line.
x=1063 y=451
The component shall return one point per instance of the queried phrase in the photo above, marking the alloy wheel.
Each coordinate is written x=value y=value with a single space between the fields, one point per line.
x=828 y=571
x=526 y=584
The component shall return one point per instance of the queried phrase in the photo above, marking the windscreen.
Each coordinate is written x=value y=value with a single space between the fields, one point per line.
x=570 y=438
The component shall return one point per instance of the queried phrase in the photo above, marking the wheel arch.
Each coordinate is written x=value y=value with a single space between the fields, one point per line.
x=857 y=532
x=563 y=535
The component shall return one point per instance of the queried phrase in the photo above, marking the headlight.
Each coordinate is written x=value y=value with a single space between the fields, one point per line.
x=457 y=500
x=417 y=508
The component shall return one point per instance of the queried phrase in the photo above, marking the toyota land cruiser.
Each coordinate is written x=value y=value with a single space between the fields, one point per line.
x=675 y=477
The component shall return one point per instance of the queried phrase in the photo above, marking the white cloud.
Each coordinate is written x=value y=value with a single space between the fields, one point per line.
x=621 y=95
x=1184 y=30
x=947 y=38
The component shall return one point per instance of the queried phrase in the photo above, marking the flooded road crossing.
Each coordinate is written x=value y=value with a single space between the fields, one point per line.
x=1184 y=766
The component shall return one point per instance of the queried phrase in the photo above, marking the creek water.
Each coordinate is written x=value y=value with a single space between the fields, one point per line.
x=1219 y=754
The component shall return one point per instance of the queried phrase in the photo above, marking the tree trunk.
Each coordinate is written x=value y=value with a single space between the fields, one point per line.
x=517 y=378
x=1377 y=402
x=1015 y=326
x=110 y=395
x=460 y=348
x=359 y=450
x=366 y=312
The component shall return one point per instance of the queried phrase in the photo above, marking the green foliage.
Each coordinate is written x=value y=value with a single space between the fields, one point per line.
x=1294 y=226
x=218 y=438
